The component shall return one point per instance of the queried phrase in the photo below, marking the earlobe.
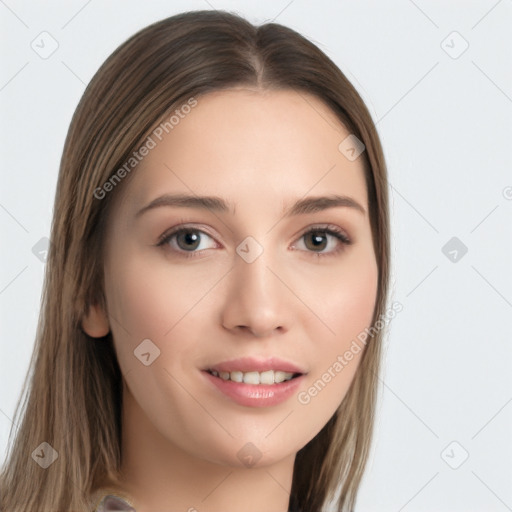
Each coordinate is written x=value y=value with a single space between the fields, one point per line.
x=95 y=322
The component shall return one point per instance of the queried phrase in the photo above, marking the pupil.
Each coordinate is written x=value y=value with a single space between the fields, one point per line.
x=318 y=240
x=188 y=240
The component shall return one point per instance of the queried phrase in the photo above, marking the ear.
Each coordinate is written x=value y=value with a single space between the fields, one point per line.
x=95 y=322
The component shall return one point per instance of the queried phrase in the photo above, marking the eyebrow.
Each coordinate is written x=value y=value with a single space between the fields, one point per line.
x=217 y=204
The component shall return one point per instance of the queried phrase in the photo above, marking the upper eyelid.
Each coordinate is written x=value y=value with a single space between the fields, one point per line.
x=328 y=227
x=181 y=227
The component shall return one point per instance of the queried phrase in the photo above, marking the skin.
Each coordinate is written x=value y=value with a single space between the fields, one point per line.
x=260 y=151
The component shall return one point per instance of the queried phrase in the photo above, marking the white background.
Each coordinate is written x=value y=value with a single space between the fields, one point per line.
x=445 y=125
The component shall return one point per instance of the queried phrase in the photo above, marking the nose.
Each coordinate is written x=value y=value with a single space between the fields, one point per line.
x=255 y=303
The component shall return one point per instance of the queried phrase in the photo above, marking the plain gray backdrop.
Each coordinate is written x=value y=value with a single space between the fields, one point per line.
x=437 y=79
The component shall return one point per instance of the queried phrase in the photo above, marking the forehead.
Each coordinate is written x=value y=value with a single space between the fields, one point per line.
x=247 y=145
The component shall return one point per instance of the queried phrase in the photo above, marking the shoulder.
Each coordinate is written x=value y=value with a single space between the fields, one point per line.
x=113 y=503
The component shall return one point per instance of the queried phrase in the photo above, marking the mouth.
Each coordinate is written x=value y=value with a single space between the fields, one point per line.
x=256 y=382
x=267 y=377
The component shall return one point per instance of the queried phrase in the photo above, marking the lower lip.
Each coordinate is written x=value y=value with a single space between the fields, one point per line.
x=256 y=395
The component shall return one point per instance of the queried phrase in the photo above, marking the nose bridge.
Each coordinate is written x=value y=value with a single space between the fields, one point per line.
x=250 y=264
x=255 y=299
x=254 y=277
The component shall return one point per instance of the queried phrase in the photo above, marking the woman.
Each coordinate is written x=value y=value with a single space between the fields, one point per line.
x=210 y=332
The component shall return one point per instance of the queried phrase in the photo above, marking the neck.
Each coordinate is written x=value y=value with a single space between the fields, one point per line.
x=158 y=475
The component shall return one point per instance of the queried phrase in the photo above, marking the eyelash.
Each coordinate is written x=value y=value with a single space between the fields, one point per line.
x=325 y=229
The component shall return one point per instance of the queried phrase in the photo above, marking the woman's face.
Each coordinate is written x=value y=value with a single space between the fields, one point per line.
x=252 y=279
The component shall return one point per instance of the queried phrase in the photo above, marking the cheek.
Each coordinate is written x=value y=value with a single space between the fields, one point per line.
x=156 y=301
x=346 y=301
x=149 y=298
x=341 y=297
x=349 y=301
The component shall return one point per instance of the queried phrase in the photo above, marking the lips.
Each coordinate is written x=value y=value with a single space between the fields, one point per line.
x=249 y=382
x=251 y=364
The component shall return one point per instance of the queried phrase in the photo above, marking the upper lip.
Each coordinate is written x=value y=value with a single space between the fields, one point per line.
x=253 y=364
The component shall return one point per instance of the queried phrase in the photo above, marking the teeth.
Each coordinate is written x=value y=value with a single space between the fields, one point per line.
x=237 y=376
x=268 y=377
x=280 y=376
x=251 y=378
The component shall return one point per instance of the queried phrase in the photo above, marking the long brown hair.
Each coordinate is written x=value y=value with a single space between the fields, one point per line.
x=73 y=394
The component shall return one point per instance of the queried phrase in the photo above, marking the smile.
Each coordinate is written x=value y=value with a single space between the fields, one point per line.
x=250 y=391
x=268 y=377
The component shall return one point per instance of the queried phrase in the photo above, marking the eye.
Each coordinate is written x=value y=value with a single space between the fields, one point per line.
x=187 y=240
x=323 y=241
